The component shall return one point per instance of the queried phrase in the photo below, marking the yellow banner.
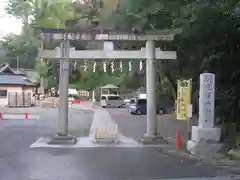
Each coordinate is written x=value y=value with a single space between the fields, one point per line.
x=183 y=98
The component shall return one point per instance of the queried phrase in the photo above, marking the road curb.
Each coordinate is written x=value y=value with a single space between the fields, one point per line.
x=224 y=162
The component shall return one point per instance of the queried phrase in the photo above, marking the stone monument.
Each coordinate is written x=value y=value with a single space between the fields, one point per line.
x=205 y=137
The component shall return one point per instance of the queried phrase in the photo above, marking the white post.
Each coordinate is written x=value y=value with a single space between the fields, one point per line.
x=206 y=100
x=205 y=137
x=151 y=89
x=60 y=85
x=42 y=78
x=17 y=63
x=93 y=96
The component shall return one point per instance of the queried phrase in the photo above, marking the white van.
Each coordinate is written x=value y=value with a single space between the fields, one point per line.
x=112 y=101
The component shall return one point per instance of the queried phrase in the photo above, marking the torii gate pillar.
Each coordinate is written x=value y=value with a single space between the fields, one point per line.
x=151 y=90
x=63 y=89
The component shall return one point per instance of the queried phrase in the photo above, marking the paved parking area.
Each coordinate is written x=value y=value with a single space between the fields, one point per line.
x=135 y=125
x=114 y=164
x=17 y=135
x=19 y=162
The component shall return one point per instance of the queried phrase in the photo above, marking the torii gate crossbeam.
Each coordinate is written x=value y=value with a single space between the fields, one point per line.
x=106 y=54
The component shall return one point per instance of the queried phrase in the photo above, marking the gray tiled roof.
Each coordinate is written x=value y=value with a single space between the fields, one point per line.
x=29 y=73
x=109 y=86
x=3 y=67
x=141 y=90
x=14 y=80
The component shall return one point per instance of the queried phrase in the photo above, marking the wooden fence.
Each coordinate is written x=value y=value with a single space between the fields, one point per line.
x=17 y=99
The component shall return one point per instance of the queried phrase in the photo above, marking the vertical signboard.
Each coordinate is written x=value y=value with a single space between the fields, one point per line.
x=183 y=99
x=206 y=100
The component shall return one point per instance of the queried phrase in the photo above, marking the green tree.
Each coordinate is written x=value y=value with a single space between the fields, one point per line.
x=200 y=49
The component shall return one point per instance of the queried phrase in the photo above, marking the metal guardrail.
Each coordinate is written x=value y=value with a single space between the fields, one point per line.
x=19 y=116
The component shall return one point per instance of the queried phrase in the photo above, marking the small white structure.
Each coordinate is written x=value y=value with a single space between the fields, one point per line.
x=16 y=89
x=106 y=134
x=109 y=89
x=72 y=92
x=142 y=96
x=93 y=96
x=205 y=137
x=103 y=129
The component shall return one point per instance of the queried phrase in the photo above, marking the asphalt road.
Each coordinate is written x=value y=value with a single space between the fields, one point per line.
x=113 y=164
x=17 y=135
x=19 y=162
x=135 y=126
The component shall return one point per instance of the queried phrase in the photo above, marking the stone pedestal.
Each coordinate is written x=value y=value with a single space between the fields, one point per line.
x=63 y=140
x=204 y=141
x=157 y=139
x=199 y=134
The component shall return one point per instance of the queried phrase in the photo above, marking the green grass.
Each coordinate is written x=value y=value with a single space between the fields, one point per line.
x=80 y=132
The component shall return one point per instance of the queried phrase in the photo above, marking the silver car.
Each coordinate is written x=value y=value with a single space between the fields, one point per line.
x=108 y=101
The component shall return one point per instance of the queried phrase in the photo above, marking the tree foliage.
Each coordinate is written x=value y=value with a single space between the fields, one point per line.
x=209 y=43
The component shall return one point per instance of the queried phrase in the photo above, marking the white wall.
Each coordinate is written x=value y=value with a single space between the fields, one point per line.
x=28 y=89
x=18 y=89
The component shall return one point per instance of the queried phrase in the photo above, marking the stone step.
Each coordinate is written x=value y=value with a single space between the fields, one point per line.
x=106 y=134
x=103 y=128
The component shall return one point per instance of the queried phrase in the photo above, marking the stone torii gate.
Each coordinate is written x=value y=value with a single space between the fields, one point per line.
x=65 y=53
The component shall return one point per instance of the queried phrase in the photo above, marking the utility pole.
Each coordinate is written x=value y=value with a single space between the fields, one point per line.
x=41 y=78
x=17 y=63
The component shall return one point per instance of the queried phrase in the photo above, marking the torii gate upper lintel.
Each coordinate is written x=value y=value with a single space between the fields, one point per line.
x=150 y=53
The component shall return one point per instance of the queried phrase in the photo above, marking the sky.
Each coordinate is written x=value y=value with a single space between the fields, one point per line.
x=8 y=24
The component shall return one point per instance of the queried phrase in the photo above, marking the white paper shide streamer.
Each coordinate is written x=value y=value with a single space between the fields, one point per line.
x=94 y=66
x=121 y=66
x=112 y=66
x=130 y=66
x=104 y=67
x=141 y=65
x=85 y=65
x=75 y=65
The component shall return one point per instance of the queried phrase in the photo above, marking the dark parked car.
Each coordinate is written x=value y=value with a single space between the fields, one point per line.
x=139 y=107
x=130 y=102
